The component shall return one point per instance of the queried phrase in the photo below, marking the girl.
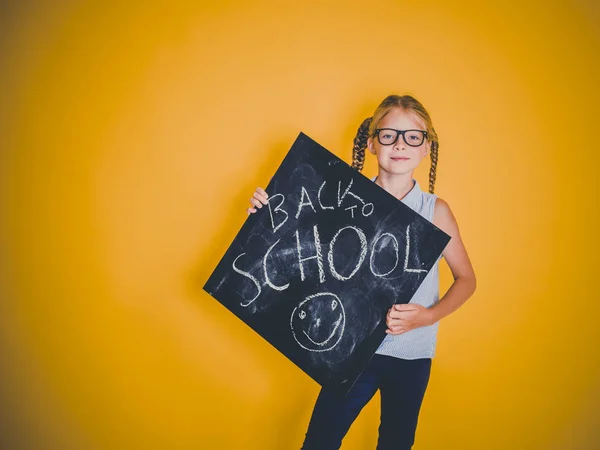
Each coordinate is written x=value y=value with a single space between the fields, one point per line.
x=400 y=134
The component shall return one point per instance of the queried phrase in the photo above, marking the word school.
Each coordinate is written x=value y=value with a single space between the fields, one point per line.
x=378 y=244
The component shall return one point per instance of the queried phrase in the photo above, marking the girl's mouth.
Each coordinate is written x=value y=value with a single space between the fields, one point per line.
x=399 y=158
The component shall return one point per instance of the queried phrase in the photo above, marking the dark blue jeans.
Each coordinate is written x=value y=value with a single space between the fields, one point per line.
x=402 y=382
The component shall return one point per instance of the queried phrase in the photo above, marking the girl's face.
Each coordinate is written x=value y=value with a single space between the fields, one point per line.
x=390 y=156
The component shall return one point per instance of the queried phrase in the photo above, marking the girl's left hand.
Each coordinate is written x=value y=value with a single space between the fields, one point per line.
x=405 y=317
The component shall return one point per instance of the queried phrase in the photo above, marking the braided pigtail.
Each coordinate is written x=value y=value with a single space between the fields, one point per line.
x=360 y=145
x=434 y=161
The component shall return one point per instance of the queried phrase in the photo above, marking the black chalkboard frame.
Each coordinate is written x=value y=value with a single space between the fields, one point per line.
x=313 y=216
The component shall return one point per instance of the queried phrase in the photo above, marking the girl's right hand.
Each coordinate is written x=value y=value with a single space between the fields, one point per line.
x=258 y=199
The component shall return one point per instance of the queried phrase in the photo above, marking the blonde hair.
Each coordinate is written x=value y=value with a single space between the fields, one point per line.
x=369 y=125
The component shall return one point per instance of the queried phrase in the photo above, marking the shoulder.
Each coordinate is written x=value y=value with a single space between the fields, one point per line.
x=441 y=205
x=443 y=217
x=455 y=252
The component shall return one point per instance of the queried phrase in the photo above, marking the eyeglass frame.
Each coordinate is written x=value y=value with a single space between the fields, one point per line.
x=401 y=133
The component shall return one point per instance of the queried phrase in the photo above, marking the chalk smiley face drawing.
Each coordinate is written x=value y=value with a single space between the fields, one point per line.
x=318 y=322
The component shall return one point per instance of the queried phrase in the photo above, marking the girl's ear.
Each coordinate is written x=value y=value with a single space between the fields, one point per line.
x=370 y=145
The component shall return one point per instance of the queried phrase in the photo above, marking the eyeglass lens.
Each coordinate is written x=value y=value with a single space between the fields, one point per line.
x=413 y=138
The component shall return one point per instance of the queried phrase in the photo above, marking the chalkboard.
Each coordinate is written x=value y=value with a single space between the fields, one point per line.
x=315 y=271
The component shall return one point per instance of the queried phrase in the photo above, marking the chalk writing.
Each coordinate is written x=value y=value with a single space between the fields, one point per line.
x=316 y=270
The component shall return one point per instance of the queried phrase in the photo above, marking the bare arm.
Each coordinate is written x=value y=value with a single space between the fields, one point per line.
x=458 y=260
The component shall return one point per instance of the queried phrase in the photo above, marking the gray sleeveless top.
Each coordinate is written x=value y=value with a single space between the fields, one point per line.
x=419 y=342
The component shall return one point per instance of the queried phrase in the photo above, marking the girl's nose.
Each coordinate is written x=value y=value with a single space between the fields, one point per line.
x=400 y=144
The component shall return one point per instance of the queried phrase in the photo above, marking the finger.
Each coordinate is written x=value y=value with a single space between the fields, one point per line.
x=262 y=191
x=396 y=327
x=256 y=202
x=260 y=197
x=405 y=307
x=250 y=210
x=396 y=314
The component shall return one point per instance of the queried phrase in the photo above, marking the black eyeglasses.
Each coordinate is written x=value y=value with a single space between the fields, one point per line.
x=389 y=136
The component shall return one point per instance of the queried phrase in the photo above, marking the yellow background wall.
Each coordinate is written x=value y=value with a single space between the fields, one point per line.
x=132 y=137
